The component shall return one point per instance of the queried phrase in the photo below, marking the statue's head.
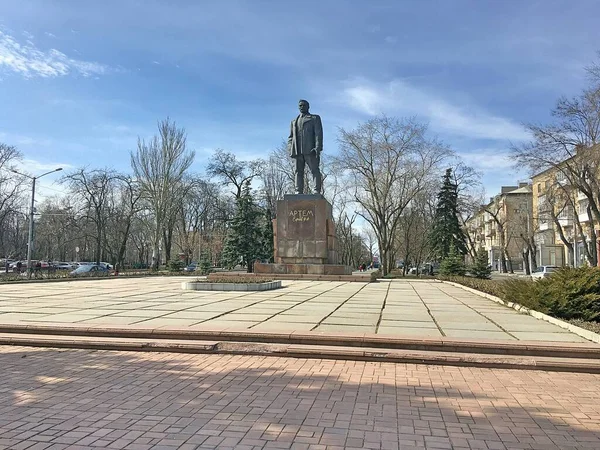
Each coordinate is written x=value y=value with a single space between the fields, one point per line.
x=303 y=106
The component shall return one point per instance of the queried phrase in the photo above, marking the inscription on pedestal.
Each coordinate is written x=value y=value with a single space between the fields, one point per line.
x=301 y=220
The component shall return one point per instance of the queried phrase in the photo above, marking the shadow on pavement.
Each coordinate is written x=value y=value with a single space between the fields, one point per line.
x=85 y=399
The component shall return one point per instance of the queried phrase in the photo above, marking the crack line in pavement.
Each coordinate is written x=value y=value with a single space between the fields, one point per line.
x=428 y=310
x=382 y=308
x=339 y=306
x=297 y=304
x=245 y=306
x=481 y=314
x=206 y=304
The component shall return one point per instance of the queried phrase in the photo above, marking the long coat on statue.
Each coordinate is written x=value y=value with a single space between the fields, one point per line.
x=306 y=134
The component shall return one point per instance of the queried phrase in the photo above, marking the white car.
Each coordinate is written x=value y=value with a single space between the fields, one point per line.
x=543 y=271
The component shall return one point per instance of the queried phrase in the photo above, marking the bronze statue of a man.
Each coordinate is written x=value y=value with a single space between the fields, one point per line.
x=305 y=145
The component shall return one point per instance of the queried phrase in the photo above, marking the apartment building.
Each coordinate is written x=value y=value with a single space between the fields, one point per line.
x=562 y=224
x=503 y=226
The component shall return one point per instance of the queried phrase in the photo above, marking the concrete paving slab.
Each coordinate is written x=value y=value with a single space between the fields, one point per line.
x=161 y=302
x=475 y=325
x=554 y=337
x=476 y=334
x=345 y=328
x=409 y=332
x=406 y=324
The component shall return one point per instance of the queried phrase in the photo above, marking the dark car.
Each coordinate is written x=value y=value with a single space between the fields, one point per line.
x=191 y=268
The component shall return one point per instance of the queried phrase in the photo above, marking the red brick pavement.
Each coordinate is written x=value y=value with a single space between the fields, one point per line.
x=80 y=399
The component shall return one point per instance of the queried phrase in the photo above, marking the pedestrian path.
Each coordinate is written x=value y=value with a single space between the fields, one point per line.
x=77 y=399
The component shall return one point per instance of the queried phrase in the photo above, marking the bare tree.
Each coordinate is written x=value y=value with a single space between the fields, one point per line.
x=570 y=146
x=11 y=198
x=231 y=171
x=390 y=161
x=277 y=177
x=123 y=205
x=159 y=167
x=413 y=240
x=92 y=188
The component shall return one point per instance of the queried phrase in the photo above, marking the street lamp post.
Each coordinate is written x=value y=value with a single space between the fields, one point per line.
x=31 y=214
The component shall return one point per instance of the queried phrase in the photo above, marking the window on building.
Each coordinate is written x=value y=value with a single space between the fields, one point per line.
x=566 y=213
x=582 y=206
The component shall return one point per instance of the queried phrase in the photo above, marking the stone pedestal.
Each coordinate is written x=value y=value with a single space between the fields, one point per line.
x=305 y=241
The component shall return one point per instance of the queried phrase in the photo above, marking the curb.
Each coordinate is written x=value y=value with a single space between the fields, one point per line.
x=586 y=334
x=314 y=352
x=446 y=345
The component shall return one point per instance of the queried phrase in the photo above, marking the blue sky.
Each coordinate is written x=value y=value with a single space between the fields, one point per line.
x=79 y=81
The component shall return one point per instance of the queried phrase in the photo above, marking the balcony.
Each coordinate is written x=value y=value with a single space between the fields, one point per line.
x=565 y=221
x=583 y=217
x=543 y=226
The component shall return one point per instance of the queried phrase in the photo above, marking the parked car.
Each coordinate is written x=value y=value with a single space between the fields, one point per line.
x=61 y=265
x=543 y=271
x=191 y=268
x=89 y=270
x=108 y=266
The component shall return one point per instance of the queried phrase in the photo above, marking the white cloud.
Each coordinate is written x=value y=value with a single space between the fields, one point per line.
x=488 y=159
x=47 y=33
x=399 y=97
x=35 y=167
x=29 y=61
x=391 y=39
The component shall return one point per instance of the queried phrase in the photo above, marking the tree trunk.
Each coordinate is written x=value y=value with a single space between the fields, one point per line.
x=526 y=262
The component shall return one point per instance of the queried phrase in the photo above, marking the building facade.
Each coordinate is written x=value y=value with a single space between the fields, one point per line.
x=503 y=227
x=562 y=219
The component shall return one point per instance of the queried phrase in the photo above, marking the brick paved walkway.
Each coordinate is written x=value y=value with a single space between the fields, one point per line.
x=76 y=399
x=398 y=308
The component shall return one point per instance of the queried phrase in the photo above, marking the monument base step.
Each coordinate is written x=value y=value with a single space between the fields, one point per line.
x=302 y=269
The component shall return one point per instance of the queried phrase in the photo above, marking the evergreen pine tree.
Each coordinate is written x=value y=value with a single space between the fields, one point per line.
x=453 y=264
x=243 y=243
x=268 y=250
x=205 y=265
x=481 y=268
x=446 y=233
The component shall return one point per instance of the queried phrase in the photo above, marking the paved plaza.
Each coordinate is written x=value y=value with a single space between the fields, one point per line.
x=394 y=308
x=81 y=399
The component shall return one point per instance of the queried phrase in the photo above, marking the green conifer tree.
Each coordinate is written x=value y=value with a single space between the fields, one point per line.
x=453 y=264
x=267 y=252
x=446 y=233
x=481 y=268
x=244 y=241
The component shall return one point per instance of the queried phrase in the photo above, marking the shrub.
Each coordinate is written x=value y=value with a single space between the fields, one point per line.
x=205 y=266
x=523 y=291
x=567 y=294
x=175 y=265
x=492 y=287
x=572 y=293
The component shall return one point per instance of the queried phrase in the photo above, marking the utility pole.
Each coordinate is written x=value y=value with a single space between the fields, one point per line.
x=31 y=214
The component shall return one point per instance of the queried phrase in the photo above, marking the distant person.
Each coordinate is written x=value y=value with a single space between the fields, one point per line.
x=19 y=266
